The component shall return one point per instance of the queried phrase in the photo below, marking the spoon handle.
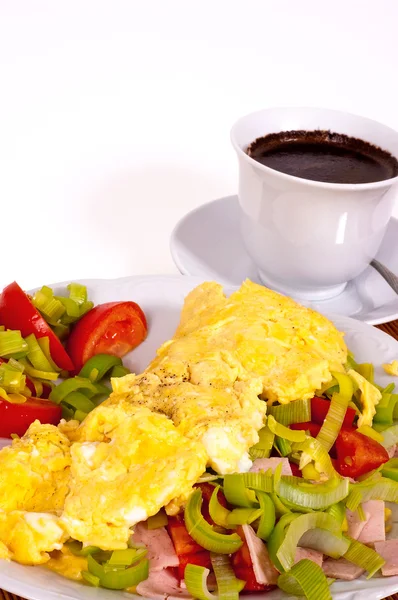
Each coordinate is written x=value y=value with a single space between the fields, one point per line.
x=388 y=275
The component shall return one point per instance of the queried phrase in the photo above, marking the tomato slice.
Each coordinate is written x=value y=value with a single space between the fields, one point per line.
x=320 y=408
x=182 y=541
x=198 y=558
x=358 y=454
x=16 y=418
x=17 y=312
x=112 y=328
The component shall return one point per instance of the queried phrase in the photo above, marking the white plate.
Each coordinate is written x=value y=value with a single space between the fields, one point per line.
x=207 y=243
x=161 y=298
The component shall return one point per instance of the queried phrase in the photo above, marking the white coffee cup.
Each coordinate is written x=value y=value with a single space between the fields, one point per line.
x=308 y=238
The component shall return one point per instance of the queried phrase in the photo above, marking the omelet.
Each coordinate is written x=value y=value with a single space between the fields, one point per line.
x=201 y=402
x=129 y=462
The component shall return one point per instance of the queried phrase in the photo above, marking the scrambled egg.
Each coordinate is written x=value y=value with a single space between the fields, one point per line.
x=196 y=405
x=391 y=368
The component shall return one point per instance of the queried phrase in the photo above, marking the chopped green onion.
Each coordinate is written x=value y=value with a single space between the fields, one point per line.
x=79 y=402
x=284 y=447
x=243 y=516
x=236 y=492
x=203 y=533
x=218 y=513
x=118 y=579
x=305 y=578
x=12 y=343
x=158 y=520
x=74 y=384
x=264 y=446
x=98 y=366
x=90 y=578
x=298 y=411
x=228 y=586
x=334 y=545
x=296 y=530
x=316 y=496
x=381 y=489
x=284 y=432
x=268 y=516
x=364 y=557
x=119 y=371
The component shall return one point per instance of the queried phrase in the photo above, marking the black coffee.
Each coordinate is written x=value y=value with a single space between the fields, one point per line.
x=324 y=156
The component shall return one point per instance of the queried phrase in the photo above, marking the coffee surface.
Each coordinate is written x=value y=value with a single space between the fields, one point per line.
x=324 y=156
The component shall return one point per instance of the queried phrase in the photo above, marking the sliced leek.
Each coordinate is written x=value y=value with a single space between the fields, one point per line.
x=298 y=411
x=218 y=513
x=386 y=410
x=312 y=449
x=277 y=536
x=305 y=578
x=334 y=545
x=390 y=436
x=316 y=496
x=264 y=446
x=284 y=432
x=243 y=516
x=158 y=520
x=98 y=366
x=12 y=343
x=268 y=516
x=195 y=578
x=236 y=492
x=203 y=533
x=376 y=489
x=336 y=413
x=228 y=586
x=296 y=530
x=364 y=557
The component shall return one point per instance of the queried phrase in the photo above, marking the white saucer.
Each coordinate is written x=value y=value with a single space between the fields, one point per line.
x=207 y=243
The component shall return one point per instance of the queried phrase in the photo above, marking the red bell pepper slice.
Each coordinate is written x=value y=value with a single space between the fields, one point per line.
x=358 y=454
x=320 y=408
x=182 y=541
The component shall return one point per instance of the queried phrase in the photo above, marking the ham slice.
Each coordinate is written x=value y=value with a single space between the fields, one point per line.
x=341 y=569
x=161 y=553
x=161 y=585
x=374 y=529
x=389 y=551
x=263 y=568
x=314 y=555
x=263 y=464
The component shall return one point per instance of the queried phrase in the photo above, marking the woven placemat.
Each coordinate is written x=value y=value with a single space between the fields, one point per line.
x=391 y=328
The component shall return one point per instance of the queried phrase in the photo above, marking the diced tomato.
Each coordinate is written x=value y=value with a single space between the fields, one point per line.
x=17 y=312
x=112 y=328
x=313 y=428
x=319 y=410
x=16 y=418
x=358 y=454
x=243 y=567
x=295 y=469
x=182 y=541
x=199 y=558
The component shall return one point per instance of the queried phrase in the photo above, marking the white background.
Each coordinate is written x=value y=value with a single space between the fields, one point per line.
x=115 y=115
